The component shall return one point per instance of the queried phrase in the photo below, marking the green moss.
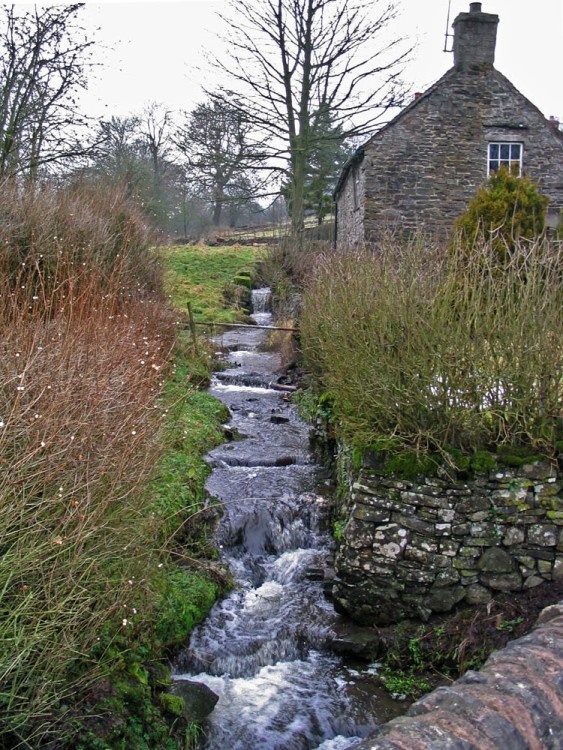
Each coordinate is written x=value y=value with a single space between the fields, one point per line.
x=357 y=457
x=459 y=459
x=410 y=465
x=243 y=280
x=482 y=462
x=186 y=598
x=404 y=684
x=138 y=671
x=516 y=457
x=172 y=704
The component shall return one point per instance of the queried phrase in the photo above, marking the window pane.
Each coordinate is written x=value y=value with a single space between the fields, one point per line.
x=493 y=150
x=493 y=165
x=504 y=151
x=515 y=151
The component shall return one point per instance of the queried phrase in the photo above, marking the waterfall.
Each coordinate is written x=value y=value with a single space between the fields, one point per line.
x=261 y=299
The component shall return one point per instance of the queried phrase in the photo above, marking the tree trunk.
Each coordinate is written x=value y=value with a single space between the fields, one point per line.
x=217 y=208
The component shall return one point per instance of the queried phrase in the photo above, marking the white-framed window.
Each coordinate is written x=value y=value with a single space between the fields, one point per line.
x=507 y=155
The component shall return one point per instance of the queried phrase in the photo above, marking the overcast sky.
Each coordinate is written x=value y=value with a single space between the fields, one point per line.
x=154 y=51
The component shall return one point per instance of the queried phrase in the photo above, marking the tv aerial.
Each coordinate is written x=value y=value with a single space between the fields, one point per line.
x=448 y=35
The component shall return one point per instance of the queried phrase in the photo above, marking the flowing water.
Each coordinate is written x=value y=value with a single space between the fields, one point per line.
x=262 y=649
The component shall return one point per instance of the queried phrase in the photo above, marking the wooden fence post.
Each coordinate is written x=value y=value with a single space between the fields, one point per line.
x=192 y=328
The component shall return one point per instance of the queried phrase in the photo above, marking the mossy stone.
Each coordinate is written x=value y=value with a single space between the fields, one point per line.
x=172 y=704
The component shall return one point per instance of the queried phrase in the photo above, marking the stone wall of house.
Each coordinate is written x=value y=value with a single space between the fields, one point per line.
x=350 y=208
x=422 y=169
x=409 y=549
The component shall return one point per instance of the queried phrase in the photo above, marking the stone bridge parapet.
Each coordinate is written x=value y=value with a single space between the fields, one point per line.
x=514 y=703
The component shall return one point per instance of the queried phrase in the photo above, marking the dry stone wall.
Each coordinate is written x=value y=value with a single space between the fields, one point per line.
x=409 y=549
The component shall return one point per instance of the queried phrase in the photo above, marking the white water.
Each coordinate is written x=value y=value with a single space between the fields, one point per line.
x=262 y=649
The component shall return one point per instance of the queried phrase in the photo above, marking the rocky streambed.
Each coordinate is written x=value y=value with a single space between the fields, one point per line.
x=268 y=650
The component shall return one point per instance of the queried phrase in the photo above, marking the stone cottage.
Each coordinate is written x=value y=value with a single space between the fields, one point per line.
x=420 y=170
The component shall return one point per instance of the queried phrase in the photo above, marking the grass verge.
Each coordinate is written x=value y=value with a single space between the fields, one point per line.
x=104 y=563
x=205 y=276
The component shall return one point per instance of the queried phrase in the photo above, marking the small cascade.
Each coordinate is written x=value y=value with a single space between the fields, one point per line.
x=261 y=300
x=263 y=648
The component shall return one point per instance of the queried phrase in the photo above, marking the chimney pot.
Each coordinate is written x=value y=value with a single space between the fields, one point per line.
x=474 y=7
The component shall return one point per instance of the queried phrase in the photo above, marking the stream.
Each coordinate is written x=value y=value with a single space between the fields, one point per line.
x=263 y=648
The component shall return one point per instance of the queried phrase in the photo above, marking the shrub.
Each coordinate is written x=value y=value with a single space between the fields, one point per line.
x=52 y=239
x=438 y=349
x=507 y=210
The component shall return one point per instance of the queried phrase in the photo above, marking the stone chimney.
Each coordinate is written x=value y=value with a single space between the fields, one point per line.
x=475 y=36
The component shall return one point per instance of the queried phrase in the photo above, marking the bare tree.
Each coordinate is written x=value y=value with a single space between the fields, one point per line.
x=120 y=156
x=156 y=123
x=43 y=58
x=293 y=60
x=220 y=152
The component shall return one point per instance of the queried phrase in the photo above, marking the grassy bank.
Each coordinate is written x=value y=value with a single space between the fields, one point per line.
x=104 y=564
x=213 y=279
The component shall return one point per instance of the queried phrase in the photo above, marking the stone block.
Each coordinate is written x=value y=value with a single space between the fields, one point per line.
x=545 y=567
x=446 y=515
x=526 y=560
x=423 y=543
x=390 y=541
x=370 y=515
x=513 y=536
x=442 y=599
x=542 y=470
x=495 y=560
x=482 y=529
x=551 y=502
x=549 y=491
x=358 y=535
x=419 y=576
x=480 y=515
x=447 y=577
x=460 y=529
x=503 y=475
x=427 y=514
x=543 y=535
x=415 y=524
x=531 y=582
x=418 y=555
x=481 y=541
x=502 y=581
x=428 y=501
x=468 y=551
x=443 y=529
x=449 y=547
x=476 y=594
x=473 y=504
x=531 y=516
x=555 y=517
x=540 y=553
